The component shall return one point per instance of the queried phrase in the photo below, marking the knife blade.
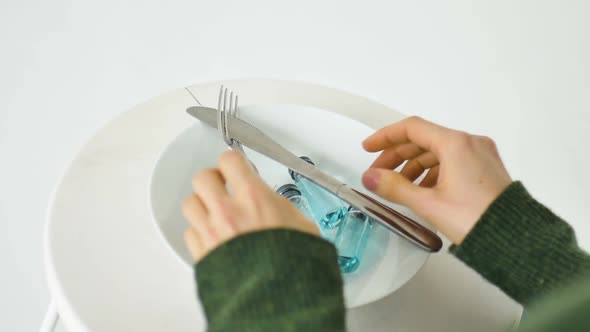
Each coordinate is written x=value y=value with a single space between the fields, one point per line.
x=258 y=141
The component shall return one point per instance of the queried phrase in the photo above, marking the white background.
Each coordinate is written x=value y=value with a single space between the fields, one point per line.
x=518 y=71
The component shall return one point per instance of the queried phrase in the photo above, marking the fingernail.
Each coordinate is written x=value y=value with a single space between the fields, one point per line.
x=371 y=179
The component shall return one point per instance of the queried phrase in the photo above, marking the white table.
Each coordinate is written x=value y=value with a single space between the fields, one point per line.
x=509 y=70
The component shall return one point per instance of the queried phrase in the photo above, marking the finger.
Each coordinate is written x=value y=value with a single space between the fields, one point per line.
x=237 y=171
x=431 y=178
x=415 y=167
x=209 y=185
x=425 y=134
x=193 y=244
x=394 y=156
x=393 y=186
x=195 y=212
x=224 y=221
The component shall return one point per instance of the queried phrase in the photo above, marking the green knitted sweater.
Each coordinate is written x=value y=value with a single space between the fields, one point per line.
x=283 y=280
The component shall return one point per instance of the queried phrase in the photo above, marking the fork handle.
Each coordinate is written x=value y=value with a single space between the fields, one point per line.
x=238 y=147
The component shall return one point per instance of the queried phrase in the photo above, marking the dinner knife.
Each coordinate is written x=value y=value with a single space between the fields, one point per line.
x=258 y=141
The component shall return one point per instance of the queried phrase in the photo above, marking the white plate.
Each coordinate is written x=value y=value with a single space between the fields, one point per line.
x=109 y=269
x=332 y=141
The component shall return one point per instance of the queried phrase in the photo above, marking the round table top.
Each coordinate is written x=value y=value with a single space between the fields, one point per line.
x=106 y=266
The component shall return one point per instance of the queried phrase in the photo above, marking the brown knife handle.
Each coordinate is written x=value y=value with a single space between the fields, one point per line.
x=402 y=224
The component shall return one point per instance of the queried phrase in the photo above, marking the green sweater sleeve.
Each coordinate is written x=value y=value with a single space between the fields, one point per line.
x=264 y=281
x=522 y=247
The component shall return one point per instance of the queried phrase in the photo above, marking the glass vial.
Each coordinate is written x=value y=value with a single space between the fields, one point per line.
x=327 y=209
x=351 y=239
x=293 y=194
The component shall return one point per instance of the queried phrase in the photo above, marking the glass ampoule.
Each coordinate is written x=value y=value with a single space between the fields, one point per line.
x=293 y=194
x=326 y=208
x=352 y=239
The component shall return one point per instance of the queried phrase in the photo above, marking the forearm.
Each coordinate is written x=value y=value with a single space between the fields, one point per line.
x=274 y=280
x=522 y=247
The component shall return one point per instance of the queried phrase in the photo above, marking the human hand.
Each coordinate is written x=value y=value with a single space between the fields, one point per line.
x=465 y=173
x=216 y=215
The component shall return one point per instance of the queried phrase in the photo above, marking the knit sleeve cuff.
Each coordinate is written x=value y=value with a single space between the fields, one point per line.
x=521 y=246
x=264 y=280
x=497 y=227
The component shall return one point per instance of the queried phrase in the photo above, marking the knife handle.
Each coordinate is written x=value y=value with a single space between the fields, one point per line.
x=393 y=220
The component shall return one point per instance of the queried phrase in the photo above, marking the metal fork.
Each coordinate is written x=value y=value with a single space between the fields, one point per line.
x=226 y=109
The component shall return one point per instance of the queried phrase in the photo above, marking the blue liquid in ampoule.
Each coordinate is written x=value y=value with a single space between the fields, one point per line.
x=294 y=195
x=352 y=239
x=327 y=209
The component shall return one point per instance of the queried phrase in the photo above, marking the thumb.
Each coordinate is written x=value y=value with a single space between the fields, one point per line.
x=392 y=186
